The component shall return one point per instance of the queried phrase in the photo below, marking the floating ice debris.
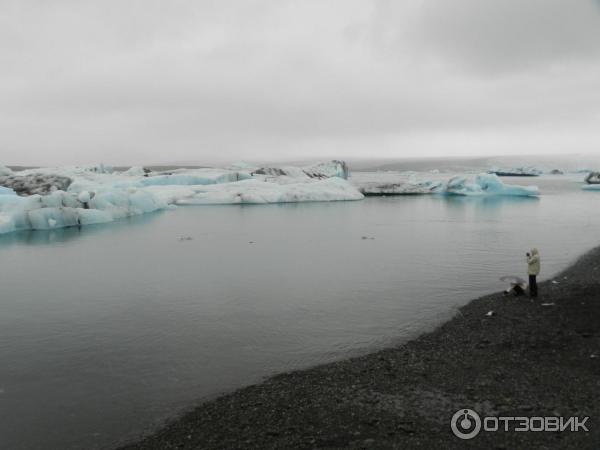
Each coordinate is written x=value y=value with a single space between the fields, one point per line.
x=486 y=184
x=555 y=282
x=185 y=238
x=516 y=172
x=84 y=197
x=547 y=304
x=490 y=313
x=593 y=355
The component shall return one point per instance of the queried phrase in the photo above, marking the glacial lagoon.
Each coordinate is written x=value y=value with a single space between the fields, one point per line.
x=108 y=330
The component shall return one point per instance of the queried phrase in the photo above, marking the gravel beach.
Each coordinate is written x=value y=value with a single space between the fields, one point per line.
x=528 y=358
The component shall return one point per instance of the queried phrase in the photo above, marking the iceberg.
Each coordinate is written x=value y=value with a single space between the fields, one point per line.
x=5 y=171
x=194 y=177
x=253 y=191
x=7 y=191
x=49 y=198
x=516 y=172
x=378 y=184
x=486 y=184
x=63 y=209
x=398 y=188
x=393 y=183
x=329 y=169
x=137 y=171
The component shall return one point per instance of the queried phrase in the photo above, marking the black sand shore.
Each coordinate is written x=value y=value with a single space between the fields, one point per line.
x=527 y=359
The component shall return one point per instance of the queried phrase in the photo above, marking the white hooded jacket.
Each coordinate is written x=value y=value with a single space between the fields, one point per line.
x=533 y=261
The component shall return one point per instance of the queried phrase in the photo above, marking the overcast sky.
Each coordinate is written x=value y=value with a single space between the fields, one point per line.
x=149 y=81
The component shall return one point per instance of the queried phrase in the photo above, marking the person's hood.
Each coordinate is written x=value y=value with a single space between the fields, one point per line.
x=534 y=251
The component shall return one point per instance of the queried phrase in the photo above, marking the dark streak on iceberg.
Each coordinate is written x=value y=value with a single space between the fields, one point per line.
x=37 y=183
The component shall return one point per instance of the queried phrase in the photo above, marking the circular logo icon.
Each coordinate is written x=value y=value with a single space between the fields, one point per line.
x=465 y=424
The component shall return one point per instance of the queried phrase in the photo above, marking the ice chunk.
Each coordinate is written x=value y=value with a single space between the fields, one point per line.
x=329 y=169
x=84 y=197
x=6 y=191
x=5 y=171
x=257 y=192
x=323 y=170
x=516 y=172
x=398 y=188
x=486 y=184
x=136 y=171
x=195 y=177
x=100 y=168
x=62 y=209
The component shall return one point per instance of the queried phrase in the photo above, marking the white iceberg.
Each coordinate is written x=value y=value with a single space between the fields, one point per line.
x=63 y=209
x=136 y=171
x=5 y=171
x=73 y=196
x=253 y=191
x=7 y=191
x=486 y=184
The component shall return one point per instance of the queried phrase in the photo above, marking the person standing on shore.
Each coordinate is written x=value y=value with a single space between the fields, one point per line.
x=533 y=263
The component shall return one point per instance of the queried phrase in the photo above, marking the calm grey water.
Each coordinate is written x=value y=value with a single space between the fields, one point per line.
x=108 y=330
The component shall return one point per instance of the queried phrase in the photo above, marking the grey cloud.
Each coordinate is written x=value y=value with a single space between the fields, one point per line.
x=129 y=81
x=513 y=35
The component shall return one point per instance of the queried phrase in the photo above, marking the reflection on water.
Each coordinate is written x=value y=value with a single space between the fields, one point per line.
x=108 y=329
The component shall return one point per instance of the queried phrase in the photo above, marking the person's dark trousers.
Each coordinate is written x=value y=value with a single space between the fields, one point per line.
x=532 y=286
